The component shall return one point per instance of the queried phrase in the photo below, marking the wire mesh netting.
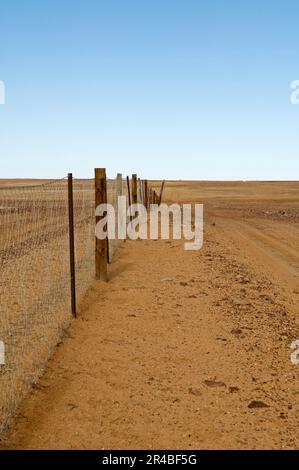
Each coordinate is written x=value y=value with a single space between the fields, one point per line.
x=35 y=274
x=35 y=278
x=84 y=228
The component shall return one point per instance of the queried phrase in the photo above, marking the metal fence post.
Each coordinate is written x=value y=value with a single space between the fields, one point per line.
x=72 y=244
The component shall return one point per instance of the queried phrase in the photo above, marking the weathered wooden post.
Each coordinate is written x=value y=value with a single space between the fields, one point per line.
x=101 y=251
x=140 y=190
x=134 y=190
x=146 y=194
x=119 y=184
x=129 y=191
x=119 y=192
x=161 y=193
x=129 y=196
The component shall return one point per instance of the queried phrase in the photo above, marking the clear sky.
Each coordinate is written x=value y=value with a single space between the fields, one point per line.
x=168 y=88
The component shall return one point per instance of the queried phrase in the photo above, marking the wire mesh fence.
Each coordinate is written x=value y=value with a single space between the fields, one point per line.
x=84 y=231
x=33 y=284
x=35 y=272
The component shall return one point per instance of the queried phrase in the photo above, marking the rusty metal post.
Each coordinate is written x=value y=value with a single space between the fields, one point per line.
x=72 y=244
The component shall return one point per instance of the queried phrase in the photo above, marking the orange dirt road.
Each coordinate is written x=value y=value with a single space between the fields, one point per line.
x=184 y=350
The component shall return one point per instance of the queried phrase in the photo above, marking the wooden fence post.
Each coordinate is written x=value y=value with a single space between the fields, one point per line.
x=129 y=196
x=101 y=251
x=119 y=192
x=119 y=184
x=129 y=190
x=134 y=190
x=146 y=194
x=72 y=244
x=161 y=193
x=140 y=190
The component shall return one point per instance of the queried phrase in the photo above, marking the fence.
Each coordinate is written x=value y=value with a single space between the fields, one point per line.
x=39 y=226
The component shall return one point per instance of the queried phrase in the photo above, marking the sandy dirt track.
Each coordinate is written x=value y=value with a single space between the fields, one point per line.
x=184 y=350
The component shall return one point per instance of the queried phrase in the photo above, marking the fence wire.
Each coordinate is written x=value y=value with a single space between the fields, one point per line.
x=35 y=278
x=84 y=228
x=33 y=284
x=35 y=274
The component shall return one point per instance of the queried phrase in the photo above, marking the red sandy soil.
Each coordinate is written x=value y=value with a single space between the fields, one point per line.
x=184 y=349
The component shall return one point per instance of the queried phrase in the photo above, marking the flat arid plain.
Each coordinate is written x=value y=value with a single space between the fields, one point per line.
x=184 y=350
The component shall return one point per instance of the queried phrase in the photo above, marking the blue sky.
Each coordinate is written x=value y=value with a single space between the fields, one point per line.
x=170 y=89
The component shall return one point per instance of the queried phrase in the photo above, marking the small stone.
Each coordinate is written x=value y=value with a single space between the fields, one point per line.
x=221 y=339
x=256 y=404
x=242 y=302
x=194 y=391
x=242 y=279
x=72 y=406
x=214 y=383
x=237 y=331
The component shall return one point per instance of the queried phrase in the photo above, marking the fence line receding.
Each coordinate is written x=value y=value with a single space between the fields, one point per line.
x=35 y=275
